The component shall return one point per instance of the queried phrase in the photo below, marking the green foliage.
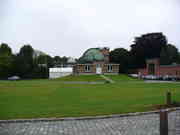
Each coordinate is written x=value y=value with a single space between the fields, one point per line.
x=45 y=60
x=58 y=61
x=5 y=66
x=5 y=61
x=122 y=57
x=169 y=55
x=27 y=52
x=24 y=64
x=147 y=46
x=25 y=61
x=5 y=49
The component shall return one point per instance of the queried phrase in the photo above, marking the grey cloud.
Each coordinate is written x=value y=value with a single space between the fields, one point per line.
x=68 y=27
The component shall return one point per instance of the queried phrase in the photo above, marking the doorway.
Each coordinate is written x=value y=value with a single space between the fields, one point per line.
x=98 y=69
x=151 y=69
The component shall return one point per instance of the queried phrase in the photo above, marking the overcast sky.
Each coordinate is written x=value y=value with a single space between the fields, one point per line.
x=69 y=27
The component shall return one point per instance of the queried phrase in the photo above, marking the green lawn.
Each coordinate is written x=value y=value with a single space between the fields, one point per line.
x=51 y=98
x=89 y=78
x=121 y=77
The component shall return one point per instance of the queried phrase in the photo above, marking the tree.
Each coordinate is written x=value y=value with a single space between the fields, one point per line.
x=147 y=46
x=57 y=60
x=5 y=61
x=120 y=56
x=60 y=60
x=24 y=61
x=27 y=52
x=164 y=58
x=46 y=60
x=169 y=55
x=64 y=60
x=5 y=49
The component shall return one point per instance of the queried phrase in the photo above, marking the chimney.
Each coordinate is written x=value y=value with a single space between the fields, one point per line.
x=105 y=52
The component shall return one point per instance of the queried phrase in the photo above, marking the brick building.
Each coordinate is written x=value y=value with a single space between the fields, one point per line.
x=95 y=61
x=153 y=67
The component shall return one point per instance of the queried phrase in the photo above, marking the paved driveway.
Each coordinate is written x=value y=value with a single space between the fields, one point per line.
x=132 y=125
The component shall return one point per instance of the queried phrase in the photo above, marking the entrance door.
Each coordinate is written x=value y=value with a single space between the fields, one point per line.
x=151 y=69
x=98 y=69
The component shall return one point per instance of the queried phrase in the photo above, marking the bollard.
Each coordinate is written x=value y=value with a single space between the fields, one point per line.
x=168 y=98
x=163 y=122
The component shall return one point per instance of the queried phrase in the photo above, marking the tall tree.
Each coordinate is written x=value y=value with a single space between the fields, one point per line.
x=57 y=60
x=147 y=46
x=45 y=59
x=169 y=55
x=24 y=61
x=120 y=56
x=5 y=49
x=5 y=61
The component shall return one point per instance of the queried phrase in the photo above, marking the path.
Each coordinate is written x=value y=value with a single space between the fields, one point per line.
x=82 y=82
x=146 y=124
x=110 y=126
x=107 y=78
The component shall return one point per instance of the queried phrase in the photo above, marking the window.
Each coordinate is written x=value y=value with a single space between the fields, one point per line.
x=98 y=65
x=151 y=69
x=109 y=68
x=87 y=68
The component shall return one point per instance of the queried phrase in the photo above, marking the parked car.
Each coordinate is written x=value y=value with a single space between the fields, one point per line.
x=14 y=78
x=151 y=77
x=134 y=75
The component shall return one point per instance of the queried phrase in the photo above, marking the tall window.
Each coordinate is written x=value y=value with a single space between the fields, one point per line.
x=98 y=65
x=87 y=68
x=151 y=69
x=110 y=68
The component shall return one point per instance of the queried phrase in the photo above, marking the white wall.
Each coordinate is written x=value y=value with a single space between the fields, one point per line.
x=59 y=72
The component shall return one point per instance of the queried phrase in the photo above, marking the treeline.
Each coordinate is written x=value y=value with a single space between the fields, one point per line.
x=27 y=63
x=147 y=46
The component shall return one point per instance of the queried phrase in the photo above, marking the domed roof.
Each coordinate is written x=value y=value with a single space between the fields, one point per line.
x=91 y=55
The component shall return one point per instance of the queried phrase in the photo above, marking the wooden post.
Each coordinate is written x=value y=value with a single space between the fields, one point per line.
x=168 y=98
x=163 y=122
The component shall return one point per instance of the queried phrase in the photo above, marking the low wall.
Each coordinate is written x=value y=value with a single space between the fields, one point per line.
x=59 y=72
x=53 y=75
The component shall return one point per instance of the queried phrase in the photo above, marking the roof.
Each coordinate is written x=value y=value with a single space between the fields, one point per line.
x=91 y=55
x=173 y=65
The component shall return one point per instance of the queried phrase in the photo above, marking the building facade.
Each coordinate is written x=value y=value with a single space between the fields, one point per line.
x=95 y=61
x=153 y=67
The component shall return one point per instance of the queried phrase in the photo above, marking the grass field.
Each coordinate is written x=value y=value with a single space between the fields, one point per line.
x=88 y=78
x=51 y=98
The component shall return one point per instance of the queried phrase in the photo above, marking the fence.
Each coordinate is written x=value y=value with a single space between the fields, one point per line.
x=170 y=121
x=169 y=118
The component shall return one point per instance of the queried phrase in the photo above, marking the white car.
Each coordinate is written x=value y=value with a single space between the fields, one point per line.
x=12 y=78
x=151 y=77
x=134 y=75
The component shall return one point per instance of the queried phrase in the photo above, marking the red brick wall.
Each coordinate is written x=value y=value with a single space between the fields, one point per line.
x=171 y=70
x=80 y=68
x=142 y=71
x=163 y=70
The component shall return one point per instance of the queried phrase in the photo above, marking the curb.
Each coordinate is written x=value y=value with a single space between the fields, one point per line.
x=88 y=117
